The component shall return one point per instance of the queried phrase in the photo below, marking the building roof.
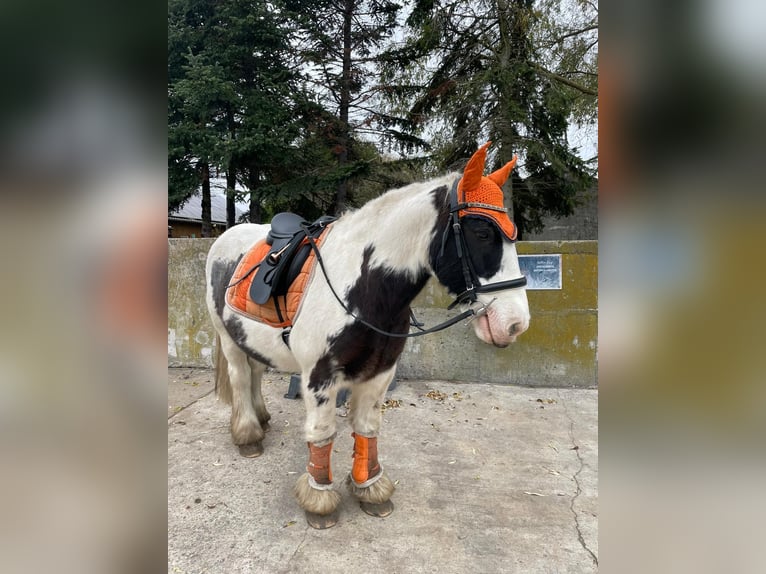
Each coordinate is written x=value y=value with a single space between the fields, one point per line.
x=192 y=209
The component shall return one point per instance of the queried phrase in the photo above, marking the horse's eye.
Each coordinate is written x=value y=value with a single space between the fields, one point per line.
x=483 y=235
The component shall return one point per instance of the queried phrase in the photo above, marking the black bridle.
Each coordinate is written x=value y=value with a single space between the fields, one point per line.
x=472 y=284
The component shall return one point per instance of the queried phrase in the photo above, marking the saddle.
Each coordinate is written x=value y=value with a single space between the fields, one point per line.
x=266 y=284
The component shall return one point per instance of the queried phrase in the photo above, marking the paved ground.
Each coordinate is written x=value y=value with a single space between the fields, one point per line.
x=489 y=479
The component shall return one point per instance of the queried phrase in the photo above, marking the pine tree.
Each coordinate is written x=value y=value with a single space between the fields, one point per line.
x=342 y=40
x=231 y=88
x=195 y=102
x=477 y=70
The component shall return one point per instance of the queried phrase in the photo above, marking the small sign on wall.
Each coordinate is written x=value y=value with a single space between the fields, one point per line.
x=541 y=271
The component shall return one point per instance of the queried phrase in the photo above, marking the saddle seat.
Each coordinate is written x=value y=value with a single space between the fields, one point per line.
x=268 y=282
x=284 y=226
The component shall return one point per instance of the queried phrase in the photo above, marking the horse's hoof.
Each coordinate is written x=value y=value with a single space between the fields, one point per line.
x=380 y=510
x=265 y=427
x=322 y=521
x=251 y=450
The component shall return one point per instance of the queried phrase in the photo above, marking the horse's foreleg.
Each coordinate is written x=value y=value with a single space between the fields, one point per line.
x=314 y=489
x=256 y=374
x=367 y=481
x=246 y=431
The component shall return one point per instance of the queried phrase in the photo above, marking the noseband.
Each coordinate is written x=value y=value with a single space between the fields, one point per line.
x=472 y=284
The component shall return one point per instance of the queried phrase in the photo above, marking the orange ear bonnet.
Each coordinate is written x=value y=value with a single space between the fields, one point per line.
x=483 y=194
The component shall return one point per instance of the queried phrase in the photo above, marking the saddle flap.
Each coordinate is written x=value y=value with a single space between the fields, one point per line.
x=269 y=278
x=260 y=291
x=294 y=267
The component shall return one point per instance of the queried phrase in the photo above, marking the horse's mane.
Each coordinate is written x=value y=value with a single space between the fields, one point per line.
x=406 y=197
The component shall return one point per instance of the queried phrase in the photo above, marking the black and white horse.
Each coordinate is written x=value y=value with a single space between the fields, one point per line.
x=377 y=259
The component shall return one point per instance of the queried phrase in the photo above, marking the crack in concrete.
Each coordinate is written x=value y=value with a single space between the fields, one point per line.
x=580 y=537
x=183 y=408
x=297 y=548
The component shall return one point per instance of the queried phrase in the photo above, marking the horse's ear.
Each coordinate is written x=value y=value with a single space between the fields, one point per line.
x=501 y=175
x=474 y=169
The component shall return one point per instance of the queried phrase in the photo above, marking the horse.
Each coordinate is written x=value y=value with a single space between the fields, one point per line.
x=355 y=315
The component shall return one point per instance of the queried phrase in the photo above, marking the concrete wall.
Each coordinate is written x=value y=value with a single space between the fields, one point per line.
x=559 y=349
x=582 y=224
x=190 y=334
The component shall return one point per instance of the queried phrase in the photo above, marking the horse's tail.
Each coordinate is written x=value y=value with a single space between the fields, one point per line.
x=222 y=382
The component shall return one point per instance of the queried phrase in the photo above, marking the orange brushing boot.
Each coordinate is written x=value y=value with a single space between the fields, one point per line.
x=367 y=481
x=366 y=469
x=314 y=490
x=319 y=466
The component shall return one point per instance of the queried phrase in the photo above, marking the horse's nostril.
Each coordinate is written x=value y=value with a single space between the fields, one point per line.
x=515 y=328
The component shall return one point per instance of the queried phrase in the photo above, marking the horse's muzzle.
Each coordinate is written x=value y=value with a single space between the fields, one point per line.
x=490 y=329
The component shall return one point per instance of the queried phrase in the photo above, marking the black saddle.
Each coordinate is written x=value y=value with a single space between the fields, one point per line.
x=286 y=256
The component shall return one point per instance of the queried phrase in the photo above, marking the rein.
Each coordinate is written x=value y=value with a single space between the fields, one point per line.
x=439 y=327
x=473 y=287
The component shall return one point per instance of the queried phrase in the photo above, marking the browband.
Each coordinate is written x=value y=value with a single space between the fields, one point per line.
x=482 y=205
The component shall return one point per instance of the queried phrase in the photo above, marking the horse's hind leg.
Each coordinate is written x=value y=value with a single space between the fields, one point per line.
x=256 y=375
x=367 y=481
x=314 y=489
x=246 y=431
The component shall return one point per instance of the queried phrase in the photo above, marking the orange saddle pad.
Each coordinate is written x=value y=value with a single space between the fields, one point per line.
x=238 y=295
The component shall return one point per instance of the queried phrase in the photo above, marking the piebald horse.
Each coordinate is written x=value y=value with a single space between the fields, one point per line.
x=355 y=314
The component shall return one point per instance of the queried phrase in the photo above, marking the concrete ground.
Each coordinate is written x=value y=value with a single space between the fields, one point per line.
x=489 y=479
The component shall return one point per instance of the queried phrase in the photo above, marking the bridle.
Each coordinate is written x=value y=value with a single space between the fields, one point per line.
x=472 y=285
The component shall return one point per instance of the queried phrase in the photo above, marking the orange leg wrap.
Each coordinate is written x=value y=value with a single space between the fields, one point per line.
x=319 y=463
x=365 y=458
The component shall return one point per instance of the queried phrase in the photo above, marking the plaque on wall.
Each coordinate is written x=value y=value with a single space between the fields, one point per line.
x=541 y=271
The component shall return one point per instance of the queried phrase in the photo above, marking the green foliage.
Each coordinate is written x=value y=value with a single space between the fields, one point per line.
x=340 y=46
x=300 y=98
x=230 y=91
x=472 y=71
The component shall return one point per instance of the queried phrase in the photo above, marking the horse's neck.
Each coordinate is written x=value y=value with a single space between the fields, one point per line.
x=400 y=225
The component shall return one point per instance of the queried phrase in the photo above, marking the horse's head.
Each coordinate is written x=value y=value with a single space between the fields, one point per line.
x=474 y=254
